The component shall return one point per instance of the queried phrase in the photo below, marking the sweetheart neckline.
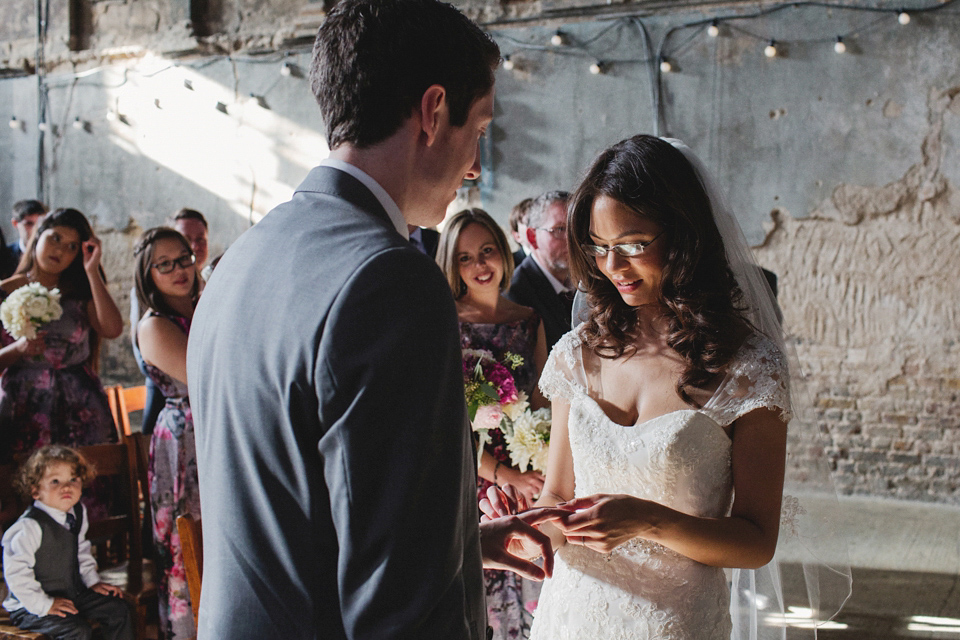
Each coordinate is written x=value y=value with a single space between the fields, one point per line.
x=639 y=424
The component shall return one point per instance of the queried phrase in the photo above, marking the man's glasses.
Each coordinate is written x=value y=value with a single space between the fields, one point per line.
x=628 y=250
x=556 y=232
x=184 y=262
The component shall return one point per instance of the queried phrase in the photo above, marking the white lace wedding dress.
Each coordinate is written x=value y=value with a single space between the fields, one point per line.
x=643 y=590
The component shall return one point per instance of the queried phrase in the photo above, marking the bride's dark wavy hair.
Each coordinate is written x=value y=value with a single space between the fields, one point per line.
x=698 y=292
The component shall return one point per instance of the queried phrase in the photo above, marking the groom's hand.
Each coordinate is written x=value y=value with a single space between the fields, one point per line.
x=502 y=538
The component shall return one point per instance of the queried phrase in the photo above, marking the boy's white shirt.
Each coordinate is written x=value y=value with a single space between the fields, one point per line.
x=20 y=544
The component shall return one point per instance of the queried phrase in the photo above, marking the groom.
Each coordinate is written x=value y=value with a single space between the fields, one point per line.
x=337 y=470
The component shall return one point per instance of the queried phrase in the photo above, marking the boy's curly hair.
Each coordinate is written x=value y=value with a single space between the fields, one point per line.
x=31 y=473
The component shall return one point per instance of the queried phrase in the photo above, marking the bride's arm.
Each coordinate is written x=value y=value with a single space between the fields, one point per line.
x=559 y=484
x=747 y=538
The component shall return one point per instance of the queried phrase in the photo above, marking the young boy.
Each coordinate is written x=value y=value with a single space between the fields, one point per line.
x=47 y=564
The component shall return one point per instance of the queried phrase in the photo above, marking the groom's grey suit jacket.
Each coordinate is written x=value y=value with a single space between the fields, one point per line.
x=337 y=472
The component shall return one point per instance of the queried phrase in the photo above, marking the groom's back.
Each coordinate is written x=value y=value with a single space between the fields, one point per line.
x=282 y=356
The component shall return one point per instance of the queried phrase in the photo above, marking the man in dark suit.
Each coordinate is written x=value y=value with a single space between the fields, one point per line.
x=425 y=240
x=542 y=280
x=26 y=214
x=518 y=229
x=337 y=469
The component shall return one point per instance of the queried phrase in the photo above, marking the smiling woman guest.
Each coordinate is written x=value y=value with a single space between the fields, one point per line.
x=168 y=288
x=49 y=390
x=476 y=259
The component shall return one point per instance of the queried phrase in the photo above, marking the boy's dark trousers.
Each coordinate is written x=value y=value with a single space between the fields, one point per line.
x=112 y=612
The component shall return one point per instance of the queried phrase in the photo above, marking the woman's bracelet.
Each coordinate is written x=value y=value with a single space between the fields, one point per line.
x=495 y=469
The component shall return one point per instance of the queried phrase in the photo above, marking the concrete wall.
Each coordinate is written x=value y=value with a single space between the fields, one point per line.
x=841 y=168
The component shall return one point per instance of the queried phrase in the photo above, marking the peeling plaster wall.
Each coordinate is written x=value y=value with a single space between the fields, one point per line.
x=843 y=170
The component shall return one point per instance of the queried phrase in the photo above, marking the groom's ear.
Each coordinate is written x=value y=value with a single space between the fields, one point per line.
x=433 y=112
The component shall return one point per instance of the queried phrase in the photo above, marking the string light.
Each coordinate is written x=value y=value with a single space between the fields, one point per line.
x=713 y=30
x=558 y=39
x=508 y=63
x=598 y=67
x=771 y=49
x=903 y=18
x=286 y=69
x=15 y=124
x=839 y=45
x=79 y=124
x=43 y=126
x=665 y=66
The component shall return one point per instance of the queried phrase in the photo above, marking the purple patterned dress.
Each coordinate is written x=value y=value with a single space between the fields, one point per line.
x=510 y=599
x=54 y=397
x=174 y=491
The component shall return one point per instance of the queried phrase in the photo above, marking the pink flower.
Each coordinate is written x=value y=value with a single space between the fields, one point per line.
x=502 y=380
x=488 y=417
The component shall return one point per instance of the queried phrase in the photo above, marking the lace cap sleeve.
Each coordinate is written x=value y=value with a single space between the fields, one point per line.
x=759 y=378
x=563 y=375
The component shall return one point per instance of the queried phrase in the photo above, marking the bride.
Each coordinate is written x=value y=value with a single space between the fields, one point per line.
x=670 y=410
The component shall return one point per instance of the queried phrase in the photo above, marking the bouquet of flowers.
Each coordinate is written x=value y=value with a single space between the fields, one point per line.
x=29 y=308
x=493 y=402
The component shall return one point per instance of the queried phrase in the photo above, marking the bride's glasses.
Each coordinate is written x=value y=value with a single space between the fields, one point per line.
x=184 y=262
x=627 y=250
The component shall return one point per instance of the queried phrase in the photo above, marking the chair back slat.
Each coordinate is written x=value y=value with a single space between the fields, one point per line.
x=191 y=545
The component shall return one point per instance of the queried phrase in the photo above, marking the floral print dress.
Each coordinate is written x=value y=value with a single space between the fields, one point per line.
x=54 y=397
x=174 y=491
x=511 y=600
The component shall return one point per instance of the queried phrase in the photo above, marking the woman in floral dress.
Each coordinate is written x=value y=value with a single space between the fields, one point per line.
x=167 y=287
x=49 y=390
x=477 y=262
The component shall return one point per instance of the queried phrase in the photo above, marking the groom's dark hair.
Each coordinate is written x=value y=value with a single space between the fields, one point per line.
x=374 y=59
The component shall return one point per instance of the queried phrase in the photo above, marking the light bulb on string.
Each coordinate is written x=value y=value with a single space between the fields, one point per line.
x=839 y=46
x=14 y=123
x=713 y=30
x=665 y=66
x=558 y=39
x=903 y=17
x=598 y=67
x=79 y=124
x=771 y=49
x=508 y=64
x=43 y=126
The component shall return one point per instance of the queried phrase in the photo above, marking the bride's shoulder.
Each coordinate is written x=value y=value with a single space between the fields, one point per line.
x=759 y=351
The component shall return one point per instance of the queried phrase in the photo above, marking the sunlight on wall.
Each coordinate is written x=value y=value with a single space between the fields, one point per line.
x=232 y=146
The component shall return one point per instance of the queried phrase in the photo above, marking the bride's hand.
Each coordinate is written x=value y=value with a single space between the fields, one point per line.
x=603 y=522
x=511 y=542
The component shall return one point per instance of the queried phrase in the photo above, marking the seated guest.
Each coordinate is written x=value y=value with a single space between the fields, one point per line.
x=8 y=259
x=26 y=214
x=542 y=280
x=518 y=229
x=47 y=564
x=168 y=288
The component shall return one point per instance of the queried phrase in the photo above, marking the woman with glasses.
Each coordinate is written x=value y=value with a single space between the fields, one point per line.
x=50 y=392
x=670 y=410
x=476 y=260
x=168 y=288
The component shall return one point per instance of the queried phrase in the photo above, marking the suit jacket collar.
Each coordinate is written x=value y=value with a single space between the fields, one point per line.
x=340 y=184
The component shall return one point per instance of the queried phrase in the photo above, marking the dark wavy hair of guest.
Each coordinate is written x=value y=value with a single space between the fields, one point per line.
x=73 y=281
x=698 y=292
x=148 y=294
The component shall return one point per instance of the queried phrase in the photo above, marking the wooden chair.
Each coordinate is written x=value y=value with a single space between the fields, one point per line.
x=191 y=545
x=123 y=401
x=121 y=535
